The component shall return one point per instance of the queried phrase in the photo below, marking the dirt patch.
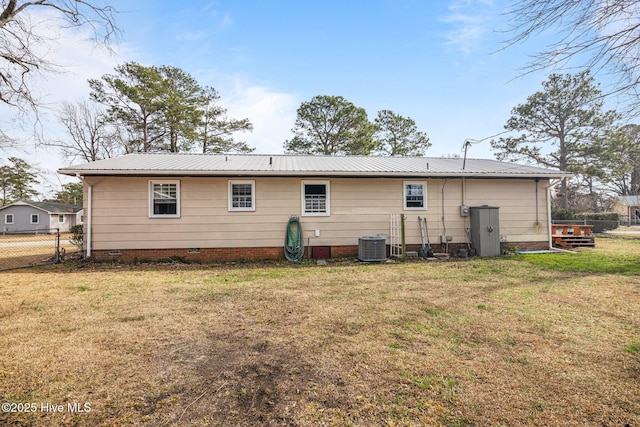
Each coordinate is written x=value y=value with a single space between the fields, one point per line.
x=238 y=378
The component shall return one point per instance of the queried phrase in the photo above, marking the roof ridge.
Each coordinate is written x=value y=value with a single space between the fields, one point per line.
x=333 y=156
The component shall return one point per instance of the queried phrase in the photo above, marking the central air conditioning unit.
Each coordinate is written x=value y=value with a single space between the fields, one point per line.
x=372 y=249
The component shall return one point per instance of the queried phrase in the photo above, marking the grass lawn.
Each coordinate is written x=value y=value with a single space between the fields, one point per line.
x=534 y=340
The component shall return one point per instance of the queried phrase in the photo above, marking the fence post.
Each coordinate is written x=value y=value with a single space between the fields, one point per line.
x=57 y=246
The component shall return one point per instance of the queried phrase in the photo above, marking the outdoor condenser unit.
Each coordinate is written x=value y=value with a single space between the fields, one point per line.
x=372 y=249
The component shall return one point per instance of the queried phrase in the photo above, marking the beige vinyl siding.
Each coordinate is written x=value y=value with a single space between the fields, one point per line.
x=517 y=203
x=359 y=207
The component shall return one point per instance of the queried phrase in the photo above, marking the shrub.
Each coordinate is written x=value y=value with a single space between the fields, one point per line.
x=77 y=236
x=562 y=214
x=599 y=216
x=601 y=221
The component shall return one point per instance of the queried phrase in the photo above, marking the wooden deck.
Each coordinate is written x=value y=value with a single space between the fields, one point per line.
x=571 y=236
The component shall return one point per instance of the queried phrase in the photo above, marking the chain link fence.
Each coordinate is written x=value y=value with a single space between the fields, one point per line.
x=29 y=248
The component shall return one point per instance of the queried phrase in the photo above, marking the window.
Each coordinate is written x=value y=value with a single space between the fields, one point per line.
x=242 y=196
x=8 y=219
x=415 y=195
x=315 y=198
x=164 y=199
x=35 y=218
x=60 y=219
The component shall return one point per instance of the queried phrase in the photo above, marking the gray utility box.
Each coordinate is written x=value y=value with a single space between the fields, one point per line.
x=485 y=230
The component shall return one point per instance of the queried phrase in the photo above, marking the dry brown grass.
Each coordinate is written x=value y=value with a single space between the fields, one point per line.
x=486 y=342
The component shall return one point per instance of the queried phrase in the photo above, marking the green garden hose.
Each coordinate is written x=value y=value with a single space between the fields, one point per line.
x=293 y=241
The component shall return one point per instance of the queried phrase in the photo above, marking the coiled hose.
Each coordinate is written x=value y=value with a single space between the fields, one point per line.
x=293 y=241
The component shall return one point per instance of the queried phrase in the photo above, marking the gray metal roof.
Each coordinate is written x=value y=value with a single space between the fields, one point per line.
x=178 y=164
x=630 y=200
x=49 y=207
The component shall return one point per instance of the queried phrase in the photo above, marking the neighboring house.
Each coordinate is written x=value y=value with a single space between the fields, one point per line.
x=38 y=216
x=628 y=207
x=198 y=206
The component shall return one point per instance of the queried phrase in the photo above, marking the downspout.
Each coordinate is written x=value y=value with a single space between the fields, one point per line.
x=467 y=230
x=549 y=227
x=537 y=204
x=551 y=248
x=88 y=215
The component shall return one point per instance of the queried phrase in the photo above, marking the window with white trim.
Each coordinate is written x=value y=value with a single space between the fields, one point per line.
x=8 y=218
x=60 y=219
x=164 y=199
x=242 y=195
x=415 y=195
x=35 y=218
x=316 y=197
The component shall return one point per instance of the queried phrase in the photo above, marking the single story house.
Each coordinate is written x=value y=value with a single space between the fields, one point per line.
x=628 y=207
x=204 y=206
x=39 y=216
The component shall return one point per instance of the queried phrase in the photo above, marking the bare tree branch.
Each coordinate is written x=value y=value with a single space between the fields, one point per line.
x=602 y=36
x=90 y=136
x=21 y=36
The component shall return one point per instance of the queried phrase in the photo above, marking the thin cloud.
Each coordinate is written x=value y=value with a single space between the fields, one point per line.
x=227 y=20
x=272 y=114
x=469 y=21
x=191 y=36
x=223 y=19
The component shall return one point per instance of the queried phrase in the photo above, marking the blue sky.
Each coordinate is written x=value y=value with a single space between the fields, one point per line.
x=438 y=62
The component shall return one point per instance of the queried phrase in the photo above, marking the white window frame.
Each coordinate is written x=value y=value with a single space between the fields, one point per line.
x=37 y=216
x=303 y=209
x=250 y=182
x=6 y=218
x=176 y=182
x=61 y=219
x=424 y=196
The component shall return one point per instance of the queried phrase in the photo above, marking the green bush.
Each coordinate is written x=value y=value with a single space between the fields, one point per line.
x=77 y=236
x=562 y=214
x=601 y=221
x=600 y=226
x=600 y=216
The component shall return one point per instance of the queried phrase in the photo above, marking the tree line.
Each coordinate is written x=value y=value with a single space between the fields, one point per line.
x=148 y=109
x=331 y=125
x=164 y=109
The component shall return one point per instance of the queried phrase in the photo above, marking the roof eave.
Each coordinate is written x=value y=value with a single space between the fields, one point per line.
x=262 y=173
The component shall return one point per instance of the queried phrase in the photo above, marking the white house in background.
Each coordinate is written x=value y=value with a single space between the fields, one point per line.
x=200 y=206
x=39 y=216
